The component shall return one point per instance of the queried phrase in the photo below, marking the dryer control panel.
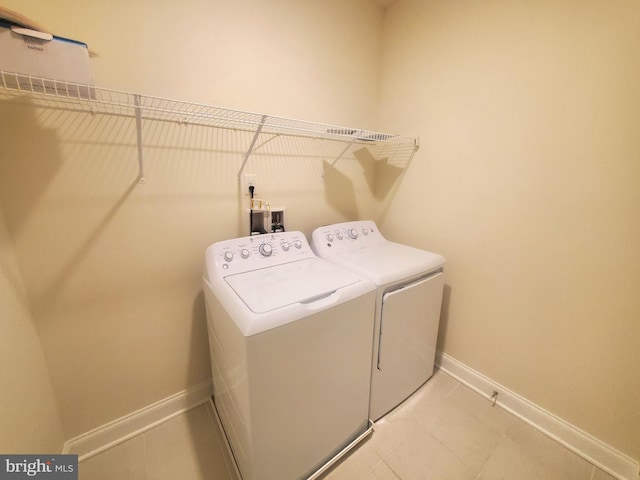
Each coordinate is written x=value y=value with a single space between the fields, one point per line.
x=244 y=254
x=345 y=237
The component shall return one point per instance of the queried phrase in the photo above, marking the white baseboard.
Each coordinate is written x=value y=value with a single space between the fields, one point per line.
x=587 y=446
x=113 y=433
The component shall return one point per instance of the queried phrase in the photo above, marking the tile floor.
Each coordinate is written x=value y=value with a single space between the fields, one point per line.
x=444 y=431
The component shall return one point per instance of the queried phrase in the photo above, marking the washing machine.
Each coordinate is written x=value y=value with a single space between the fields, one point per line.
x=290 y=340
x=409 y=285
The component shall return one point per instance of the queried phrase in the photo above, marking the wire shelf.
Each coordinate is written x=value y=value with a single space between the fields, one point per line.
x=57 y=94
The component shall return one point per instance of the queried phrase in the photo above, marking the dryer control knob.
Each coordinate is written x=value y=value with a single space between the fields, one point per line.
x=365 y=231
x=353 y=233
x=265 y=249
x=228 y=256
x=339 y=235
x=329 y=237
x=244 y=253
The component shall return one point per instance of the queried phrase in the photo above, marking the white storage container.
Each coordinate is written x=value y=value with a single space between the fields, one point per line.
x=44 y=63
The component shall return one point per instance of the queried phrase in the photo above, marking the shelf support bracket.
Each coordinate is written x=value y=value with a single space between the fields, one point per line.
x=253 y=144
x=344 y=151
x=139 y=139
x=416 y=147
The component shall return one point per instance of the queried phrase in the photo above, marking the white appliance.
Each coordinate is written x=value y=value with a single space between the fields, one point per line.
x=409 y=284
x=290 y=339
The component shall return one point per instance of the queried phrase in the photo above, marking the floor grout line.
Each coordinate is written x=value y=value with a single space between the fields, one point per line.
x=396 y=474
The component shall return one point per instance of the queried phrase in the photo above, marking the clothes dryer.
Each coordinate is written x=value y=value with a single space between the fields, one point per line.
x=290 y=340
x=409 y=284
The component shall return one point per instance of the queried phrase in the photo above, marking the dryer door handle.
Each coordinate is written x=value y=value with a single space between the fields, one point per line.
x=379 y=361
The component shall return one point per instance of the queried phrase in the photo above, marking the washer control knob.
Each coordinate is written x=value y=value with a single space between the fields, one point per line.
x=265 y=250
x=286 y=246
x=329 y=237
x=353 y=233
x=228 y=256
x=365 y=231
x=339 y=235
x=297 y=244
x=244 y=253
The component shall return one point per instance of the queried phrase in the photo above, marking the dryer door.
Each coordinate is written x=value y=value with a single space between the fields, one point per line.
x=406 y=341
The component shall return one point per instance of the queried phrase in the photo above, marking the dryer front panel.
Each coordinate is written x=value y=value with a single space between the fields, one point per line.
x=406 y=341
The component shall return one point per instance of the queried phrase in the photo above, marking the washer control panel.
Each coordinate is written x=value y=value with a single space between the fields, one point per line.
x=244 y=254
x=345 y=237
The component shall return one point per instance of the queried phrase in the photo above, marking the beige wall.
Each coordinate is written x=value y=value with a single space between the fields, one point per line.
x=29 y=417
x=111 y=267
x=528 y=181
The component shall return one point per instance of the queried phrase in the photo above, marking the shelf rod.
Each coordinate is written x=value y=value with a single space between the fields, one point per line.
x=139 y=138
x=253 y=143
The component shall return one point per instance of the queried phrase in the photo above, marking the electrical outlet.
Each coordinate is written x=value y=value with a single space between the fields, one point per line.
x=248 y=179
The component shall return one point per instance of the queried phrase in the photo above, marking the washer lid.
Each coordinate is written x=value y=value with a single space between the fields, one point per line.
x=388 y=262
x=302 y=281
